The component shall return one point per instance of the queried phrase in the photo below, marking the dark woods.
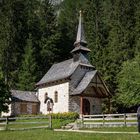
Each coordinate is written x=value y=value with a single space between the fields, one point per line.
x=34 y=34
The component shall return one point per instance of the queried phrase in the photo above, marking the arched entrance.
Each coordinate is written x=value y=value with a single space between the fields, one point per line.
x=86 y=107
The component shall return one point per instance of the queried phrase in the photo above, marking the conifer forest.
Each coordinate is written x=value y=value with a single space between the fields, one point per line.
x=34 y=34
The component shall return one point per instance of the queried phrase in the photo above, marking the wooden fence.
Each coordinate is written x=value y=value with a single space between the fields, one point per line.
x=109 y=120
x=23 y=123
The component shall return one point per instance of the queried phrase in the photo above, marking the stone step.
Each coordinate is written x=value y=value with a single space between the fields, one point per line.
x=67 y=127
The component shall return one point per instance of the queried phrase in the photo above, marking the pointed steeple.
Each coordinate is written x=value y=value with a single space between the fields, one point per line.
x=80 y=43
x=80 y=33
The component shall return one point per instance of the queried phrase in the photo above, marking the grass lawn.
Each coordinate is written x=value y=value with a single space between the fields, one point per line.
x=44 y=134
x=56 y=123
x=112 y=129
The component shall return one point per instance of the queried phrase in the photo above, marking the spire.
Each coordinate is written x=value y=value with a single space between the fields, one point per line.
x=80 y=33
x=80 y=43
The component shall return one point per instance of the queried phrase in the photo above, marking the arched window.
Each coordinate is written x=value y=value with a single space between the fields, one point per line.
x=45 y=97
x=56 y=97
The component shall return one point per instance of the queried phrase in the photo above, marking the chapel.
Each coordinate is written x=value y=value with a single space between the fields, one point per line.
x=73 y=85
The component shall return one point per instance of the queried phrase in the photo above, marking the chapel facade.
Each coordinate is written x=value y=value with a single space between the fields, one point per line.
x=73 y=85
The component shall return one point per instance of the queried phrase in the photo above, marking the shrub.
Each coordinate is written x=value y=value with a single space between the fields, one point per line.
x=30 y=115
x=65 y=115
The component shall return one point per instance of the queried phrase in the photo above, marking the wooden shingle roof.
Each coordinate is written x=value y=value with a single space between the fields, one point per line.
x=59 y=71
x=84 y=82
x=87 y=80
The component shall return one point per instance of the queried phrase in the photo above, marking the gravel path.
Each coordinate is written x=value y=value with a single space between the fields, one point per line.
x=102 y=132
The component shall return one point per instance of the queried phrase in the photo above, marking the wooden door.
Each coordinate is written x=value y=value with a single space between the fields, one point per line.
x=23 y=108
x=34 y=109
x=86 y=107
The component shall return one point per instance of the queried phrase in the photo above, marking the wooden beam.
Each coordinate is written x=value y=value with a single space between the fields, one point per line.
x=96 y=91
x=101 y=91
x=81 y=105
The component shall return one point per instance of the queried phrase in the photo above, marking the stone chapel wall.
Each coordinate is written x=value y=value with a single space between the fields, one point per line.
x=63 y=97
x=95 y=104
x=74 y=104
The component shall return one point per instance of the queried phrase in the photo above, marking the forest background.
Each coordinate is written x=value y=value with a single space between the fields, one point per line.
x=34 y=34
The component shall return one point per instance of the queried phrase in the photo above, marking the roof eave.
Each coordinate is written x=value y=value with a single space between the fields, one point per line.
x=76 y=49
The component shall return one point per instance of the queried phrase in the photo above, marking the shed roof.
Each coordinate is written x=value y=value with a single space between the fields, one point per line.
x=28 y=96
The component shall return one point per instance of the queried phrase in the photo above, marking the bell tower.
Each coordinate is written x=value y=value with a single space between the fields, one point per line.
x=80 y=51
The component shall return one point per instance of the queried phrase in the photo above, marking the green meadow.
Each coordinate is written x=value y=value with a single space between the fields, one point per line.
x=45 y=134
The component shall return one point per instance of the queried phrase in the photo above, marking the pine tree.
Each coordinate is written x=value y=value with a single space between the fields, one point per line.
x=27 y=73
x=34 y=20
x=18 y=19
x=120 y=39
x=96 y=32
x=14 y=32
x=49 y=39
x=137 y=27
x=7 y=51
x=4 y=96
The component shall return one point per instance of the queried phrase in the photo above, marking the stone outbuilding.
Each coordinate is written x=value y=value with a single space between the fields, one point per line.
x=23 y=102
x=73 y=85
